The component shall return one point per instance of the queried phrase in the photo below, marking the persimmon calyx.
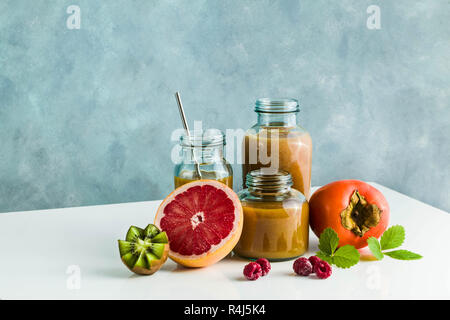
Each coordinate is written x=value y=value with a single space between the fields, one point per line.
x=359 y=216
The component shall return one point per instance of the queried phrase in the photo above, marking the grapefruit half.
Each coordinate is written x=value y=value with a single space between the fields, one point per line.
x=203 y=221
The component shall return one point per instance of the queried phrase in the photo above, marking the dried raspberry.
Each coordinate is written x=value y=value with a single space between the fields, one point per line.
x=314 y=260
x=302 y=267
x=252 y=271
x=265 y=265
x=322 y=269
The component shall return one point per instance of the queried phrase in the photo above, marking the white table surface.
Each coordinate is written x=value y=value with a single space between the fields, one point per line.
x=42 y=252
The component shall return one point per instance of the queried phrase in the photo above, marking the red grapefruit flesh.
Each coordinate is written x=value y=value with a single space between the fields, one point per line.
x=203 y=221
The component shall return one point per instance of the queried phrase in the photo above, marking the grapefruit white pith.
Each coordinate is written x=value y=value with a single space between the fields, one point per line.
x=203 y=221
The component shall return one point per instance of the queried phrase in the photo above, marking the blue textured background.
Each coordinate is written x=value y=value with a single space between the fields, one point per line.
x=86 y=115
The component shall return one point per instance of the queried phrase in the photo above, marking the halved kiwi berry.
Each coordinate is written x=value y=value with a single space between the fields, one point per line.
x=144 y=251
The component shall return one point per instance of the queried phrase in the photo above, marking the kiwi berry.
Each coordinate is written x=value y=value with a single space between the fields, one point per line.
x=144 y=251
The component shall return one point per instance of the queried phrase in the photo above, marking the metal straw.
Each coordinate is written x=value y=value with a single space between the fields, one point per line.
x=186 y=128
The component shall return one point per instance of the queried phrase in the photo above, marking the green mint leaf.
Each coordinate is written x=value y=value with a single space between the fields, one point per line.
x=324 y=257
x=328 y=241
x=403 y=255
x=345 y=257
x=375 y=247
x=392 y=237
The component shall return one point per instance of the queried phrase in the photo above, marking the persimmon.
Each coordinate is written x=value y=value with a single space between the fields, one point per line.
x=352 y=208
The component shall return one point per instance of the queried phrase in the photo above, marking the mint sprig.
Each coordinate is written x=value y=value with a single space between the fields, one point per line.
x=328 y=241
x=392 y=238
x=403 y=255
x=344 y=257
x=375 y=247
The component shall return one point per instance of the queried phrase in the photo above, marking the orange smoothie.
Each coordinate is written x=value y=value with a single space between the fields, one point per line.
x=274 y=230
x=294 y=154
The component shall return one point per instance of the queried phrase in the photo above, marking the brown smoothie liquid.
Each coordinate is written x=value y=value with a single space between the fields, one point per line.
x=178 y=181
x=294 y=154
x=274 y=230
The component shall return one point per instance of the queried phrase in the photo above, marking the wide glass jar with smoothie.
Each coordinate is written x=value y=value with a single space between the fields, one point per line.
x=276 y=217
x=279 y=142
x=202 y=158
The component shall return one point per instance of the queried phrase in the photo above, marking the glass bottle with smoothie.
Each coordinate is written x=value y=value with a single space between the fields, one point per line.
x=202 y=158
x=276 y=217
x=278 y=142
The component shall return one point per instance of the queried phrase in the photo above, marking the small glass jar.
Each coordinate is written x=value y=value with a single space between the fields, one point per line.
x=276 y=217
x=202 y=158
x=278 y=142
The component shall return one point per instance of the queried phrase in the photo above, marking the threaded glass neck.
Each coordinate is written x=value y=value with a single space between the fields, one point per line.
x=267 y=180
x=203 y=139
x=204 y=146
x=281 y=105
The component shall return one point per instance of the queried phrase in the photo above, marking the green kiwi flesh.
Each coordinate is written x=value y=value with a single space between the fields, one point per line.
x=144 y=251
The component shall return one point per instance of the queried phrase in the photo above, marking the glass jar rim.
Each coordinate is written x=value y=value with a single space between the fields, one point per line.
x=277 y=105
x=268 y=179
x=203 y=138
